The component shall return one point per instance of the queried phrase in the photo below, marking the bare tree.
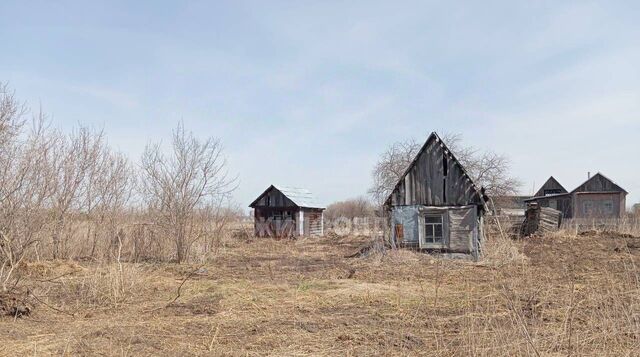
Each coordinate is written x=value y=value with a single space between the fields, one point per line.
x=108 y=188
x=25 y=190
x=175 y=186
x=390 y=167
x=487 y=169
x=73 y=158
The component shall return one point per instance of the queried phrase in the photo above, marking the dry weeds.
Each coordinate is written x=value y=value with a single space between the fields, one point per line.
x=567 y=294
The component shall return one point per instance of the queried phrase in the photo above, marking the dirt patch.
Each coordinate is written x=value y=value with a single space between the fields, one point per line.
x=201 y=305
x=606 y=234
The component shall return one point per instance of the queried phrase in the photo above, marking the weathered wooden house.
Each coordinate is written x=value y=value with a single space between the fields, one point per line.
x=435 y=205
x=286 y=212
x=598 y=197
x=553 y=195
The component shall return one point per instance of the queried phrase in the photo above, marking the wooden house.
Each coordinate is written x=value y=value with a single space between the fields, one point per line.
x=435 y=205
x=286 y=212
x=553 y=195
x=598 y=197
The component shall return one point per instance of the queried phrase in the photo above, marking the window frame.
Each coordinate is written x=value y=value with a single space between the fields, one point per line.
x=605 y=208
x=427 y=234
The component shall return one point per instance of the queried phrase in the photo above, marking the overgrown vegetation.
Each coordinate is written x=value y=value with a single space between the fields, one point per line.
x=567 y=294
x=71 y=196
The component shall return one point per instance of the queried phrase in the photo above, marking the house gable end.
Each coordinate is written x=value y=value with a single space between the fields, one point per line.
x=272 y=197
x=551 y=185
x=435 y=178
x=599 y=183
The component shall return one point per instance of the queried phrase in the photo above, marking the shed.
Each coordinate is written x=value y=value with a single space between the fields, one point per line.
x=287 y=212
x=435 y=205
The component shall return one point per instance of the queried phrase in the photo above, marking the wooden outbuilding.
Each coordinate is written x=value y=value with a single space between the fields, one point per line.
x=435 y=205
x=287 y=212
x=598 y=197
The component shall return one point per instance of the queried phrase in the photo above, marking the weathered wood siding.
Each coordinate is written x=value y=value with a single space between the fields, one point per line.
x=598 y=183
x=265 y=226
x=551 y=184
x=594 y=205
x=312 y=222
x=463 y=230
x=274 y=198
x=541 y=220
x=461 y=227
x=435 y=179
x=562 y=203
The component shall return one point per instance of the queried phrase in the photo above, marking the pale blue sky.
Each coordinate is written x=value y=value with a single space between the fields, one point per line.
x=309 y=93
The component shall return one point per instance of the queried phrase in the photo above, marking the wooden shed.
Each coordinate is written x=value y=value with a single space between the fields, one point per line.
x=435 y=205
x=287 y=212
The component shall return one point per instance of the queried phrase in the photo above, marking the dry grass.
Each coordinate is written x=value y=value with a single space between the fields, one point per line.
x=562 y=295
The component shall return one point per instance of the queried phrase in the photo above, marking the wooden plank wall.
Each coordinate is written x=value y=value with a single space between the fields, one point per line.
x=276 y=199
x=551 y=184
x=541 y=220
x=426 y=182
x=313 y=223
x=598 y=183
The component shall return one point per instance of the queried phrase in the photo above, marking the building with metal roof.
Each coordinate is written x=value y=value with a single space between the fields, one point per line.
x=287 y=212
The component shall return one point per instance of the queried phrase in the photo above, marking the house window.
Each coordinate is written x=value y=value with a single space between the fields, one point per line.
x=277 y=216
x=588 y=207
x=553 y=204
x=607 y=207
x=433 y=229
x=554 y=191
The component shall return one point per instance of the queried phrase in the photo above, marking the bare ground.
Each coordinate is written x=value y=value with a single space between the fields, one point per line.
x=560 y=295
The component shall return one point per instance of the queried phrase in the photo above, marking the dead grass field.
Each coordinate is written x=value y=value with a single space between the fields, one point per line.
x=560 y=295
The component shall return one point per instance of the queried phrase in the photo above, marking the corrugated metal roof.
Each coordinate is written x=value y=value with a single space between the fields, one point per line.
x=300 y=196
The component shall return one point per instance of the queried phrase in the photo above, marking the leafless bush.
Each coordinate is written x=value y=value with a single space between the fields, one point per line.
x=24 y=186
x=70 y=196
x=180 y=186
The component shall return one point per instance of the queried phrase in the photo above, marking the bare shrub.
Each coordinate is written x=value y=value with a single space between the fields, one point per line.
x=24 y=193
x=177 y=186
x=350 y=209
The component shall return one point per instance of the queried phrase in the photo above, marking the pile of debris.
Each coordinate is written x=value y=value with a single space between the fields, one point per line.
x=15 y=304
x=540 y=220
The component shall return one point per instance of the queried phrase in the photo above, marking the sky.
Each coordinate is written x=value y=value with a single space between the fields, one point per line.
x=309 y=93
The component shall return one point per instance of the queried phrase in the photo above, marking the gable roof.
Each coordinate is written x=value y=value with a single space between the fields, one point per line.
x=301 y=197
x=434 y=136
x=599 y=174
x=551 y=182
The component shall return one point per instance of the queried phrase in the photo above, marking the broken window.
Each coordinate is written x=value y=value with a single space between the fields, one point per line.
x=433 y=228
x=445 y=164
